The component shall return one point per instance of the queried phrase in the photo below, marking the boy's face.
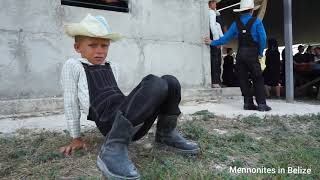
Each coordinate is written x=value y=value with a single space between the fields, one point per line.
x=213 y=5
x=95 y=50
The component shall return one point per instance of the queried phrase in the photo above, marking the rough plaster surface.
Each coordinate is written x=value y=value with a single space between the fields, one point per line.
x=162 y=37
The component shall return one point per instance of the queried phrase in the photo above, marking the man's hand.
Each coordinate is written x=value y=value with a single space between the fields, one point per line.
x=75 y=144
x=207 y=40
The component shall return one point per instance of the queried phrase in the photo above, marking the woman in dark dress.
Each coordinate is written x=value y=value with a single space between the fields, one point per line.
x=228 y=76
x=273 y=65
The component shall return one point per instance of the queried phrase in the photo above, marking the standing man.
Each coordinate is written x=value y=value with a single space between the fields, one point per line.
x=251 y=42
x=215 y=51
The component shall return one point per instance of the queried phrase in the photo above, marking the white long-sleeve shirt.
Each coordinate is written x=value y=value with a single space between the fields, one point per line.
x=76 y=93
x=215 y=27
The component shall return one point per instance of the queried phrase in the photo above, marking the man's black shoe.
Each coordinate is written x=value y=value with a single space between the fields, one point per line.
x=250 y=107
x=263 y=107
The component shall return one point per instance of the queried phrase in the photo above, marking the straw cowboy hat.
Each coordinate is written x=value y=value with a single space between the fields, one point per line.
x=92 y=26
x=246 y=5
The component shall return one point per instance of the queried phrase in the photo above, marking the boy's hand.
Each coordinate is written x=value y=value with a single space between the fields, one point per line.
x=75 y=144
x=207 y=40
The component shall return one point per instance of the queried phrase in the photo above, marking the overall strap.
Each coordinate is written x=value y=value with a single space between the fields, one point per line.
x=245 y=28
x=240 y=25
x=245 y=38
x=250 y=24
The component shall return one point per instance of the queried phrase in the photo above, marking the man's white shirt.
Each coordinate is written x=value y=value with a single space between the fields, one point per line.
x=215 y=27
x=76 y=93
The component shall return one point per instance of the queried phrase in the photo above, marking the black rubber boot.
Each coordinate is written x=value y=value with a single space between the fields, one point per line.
x=250 y=107
x=249 y=104
x=113 y=159
x=166 y=134
x=263 y=107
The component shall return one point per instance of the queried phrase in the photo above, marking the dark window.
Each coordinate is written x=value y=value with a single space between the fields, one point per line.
x=111 y=5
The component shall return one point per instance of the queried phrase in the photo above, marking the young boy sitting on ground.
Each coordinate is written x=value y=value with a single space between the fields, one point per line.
x=90 y=82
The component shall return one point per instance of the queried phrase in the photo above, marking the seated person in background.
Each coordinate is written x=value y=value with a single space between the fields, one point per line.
x=271 y=73
x=309 y=55
x=228 y=75
x=299 y=57
x=317 y=54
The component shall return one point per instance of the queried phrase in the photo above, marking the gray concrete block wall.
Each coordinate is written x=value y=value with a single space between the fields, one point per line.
x=162 y=37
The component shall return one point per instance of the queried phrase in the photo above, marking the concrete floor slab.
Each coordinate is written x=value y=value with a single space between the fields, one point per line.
x=229 y=108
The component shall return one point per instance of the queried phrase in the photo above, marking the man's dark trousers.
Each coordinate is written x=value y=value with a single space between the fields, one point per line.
x=215 y=53
x=248 y=63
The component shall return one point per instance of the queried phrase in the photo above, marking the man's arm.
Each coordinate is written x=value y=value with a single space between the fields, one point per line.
x=231 y=33
x=262 y=37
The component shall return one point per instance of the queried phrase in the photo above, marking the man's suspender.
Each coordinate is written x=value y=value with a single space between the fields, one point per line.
x=245 y=28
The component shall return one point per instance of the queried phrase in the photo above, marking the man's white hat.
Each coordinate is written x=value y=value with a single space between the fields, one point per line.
x=246 y=5
x=92 y=26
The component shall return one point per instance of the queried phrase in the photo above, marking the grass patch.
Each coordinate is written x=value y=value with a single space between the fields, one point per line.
x=252 y=120
x=205 y=115
x=250 y=142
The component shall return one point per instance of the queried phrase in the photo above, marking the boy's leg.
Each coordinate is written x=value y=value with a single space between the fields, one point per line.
x=144 y=102
x=152 y=97
x=137 y=108
x=168 y=105
x=142 y=105
x=113 y=159
x=157 y=97
x=166 y=133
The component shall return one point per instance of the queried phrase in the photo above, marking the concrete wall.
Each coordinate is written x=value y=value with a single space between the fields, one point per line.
x=163 y=37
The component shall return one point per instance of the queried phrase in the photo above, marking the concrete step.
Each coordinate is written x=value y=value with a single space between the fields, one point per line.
x=30 y=107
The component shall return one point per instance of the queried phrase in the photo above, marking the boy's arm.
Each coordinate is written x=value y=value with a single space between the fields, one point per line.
x=69 y=81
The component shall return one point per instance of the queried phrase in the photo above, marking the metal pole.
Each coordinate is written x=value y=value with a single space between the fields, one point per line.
x=288 y=43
